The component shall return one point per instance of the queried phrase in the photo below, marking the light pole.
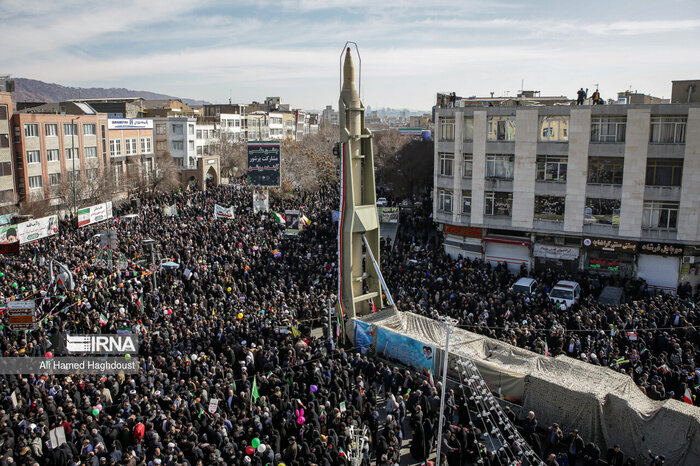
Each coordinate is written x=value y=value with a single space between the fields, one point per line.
x=446 y=323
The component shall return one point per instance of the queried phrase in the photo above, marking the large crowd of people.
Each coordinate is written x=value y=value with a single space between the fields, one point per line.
x=233 y=322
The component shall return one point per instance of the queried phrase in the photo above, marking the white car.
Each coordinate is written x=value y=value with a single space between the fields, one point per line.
x=382 y=202
x=525 y=285
x=565 y=292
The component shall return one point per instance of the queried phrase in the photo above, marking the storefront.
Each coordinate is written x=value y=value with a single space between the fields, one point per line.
x=556 y=257
x=610 y=256
x=659 y=265
x=464 y=241
x=513 y=251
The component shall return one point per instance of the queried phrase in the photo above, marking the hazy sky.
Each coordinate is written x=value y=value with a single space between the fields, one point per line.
x=410 y=50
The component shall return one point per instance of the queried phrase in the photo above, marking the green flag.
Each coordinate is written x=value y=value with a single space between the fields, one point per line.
x=254 y=392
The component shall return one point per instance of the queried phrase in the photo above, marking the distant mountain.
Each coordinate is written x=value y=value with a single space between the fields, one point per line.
x=32 y=90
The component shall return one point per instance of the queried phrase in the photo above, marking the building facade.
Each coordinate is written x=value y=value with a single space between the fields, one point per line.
x=131 y=151
x=8 y=192
x=612 y=189
x=176 y=136
x=49 y=148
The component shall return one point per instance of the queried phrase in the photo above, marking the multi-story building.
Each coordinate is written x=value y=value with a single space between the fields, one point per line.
x=275 y=125
x=258 y=126
x=131 y=151
x=289 y=124
x=605 y=188
x=300 y=124
x=56 y=152
x=206 y=138
x=176 y=136
x=231 y=124
x=8 y=193
x=329 y=116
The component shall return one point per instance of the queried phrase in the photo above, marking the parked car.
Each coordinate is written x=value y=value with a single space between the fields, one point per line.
x=382 y=202
x=565 y=292
x=525 y=285
x=612 y=296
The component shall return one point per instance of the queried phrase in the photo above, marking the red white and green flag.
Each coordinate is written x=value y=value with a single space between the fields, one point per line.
x=103 y=319
x=688 y=396
x=278 y=218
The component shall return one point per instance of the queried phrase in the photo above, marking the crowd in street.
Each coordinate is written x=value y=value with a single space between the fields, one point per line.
x=233 y=323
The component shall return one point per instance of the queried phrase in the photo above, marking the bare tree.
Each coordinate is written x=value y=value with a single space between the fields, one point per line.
x=233 y=155
x=165 y=177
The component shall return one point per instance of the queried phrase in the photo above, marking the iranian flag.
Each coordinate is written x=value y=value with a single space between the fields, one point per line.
x=278 y=218
x=103 y=319
x=688 y=396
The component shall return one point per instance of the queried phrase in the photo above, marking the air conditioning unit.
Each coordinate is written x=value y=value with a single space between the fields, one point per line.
x=688 y=259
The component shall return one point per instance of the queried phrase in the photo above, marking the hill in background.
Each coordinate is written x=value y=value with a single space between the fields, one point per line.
x=32 y=90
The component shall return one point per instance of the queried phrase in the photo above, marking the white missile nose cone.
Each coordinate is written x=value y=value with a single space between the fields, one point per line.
x=348 y=71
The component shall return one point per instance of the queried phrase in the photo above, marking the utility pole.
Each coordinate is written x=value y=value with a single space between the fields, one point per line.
x=447 y=324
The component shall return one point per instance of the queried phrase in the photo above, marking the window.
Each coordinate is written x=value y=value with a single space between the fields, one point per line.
x=554 y=128
x=89 y=129
x=605 y=211
x=70 y=129
x=551 y=168
x=160 y=128
x=52 y=155
x=501 y=128
x=4 y=140
x=91 y=174
x=499 y=166
x=115 y=147
x=664 y=172
x=468 y=131
x=178 y=145
x=31 y=130
x=668 y=129
x=7 y=195
x=191 y=145
x=608 y=129
x=497 y=203
x=145 y=145
x=445 y=200
x=91 y=152
x=549 y=208
x=5 y=168
x=605 y=171
x=70 y=153
x=161 y=145
x=468 y=165
x=177 y=129
x=130 y=146
x=33 y=156
x=466 y=202
x=54 y=179
x=199 y=150
x=35 y=182
x=447 y=129
x=446 y=163
x=190 y=129
x=3 y=112
x=51 y=129
x=199 y=134
x=660 y=215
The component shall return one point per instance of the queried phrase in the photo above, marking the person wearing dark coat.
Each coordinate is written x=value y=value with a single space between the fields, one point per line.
x=418 y=450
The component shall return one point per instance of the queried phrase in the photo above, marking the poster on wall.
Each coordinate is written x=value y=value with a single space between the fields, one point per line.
x=29 y=231
x=406 y=350
x=264 y=162
x=388 y=214
x=94 y=214
x=363 y=336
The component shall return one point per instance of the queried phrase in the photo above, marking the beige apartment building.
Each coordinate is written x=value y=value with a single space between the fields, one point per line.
x=8 y=195
x=613 y=189
x=131 y=151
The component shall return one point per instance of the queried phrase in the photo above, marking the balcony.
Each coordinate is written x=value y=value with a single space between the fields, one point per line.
x=663 y=193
